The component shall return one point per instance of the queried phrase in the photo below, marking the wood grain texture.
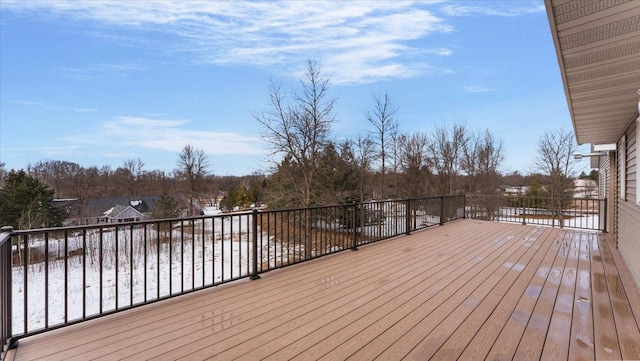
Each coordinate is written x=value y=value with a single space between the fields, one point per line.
x=466 y=290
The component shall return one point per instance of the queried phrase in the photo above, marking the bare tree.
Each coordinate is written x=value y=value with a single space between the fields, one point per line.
x=445 y=152
x=414 y=163
x=364 y=150
x=134 y=172
x=385 y=125
x=555 y=160
x=298 y=132
x=481 y=157
x=192 y=168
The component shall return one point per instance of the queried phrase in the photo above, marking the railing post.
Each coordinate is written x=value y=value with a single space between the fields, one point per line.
x=561 y=215
x=354 y=220
x=407 y=217
x=254 y=238
x=5 y=292
x=441 y=210
x=464 y=206
x=524 y=211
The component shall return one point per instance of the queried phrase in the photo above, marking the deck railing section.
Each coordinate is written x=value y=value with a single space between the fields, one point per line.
x=59 y=276
x=581 y=213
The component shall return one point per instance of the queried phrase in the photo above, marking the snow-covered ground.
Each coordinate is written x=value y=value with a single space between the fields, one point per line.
x=209 y=251
x=189 y=261
x=571 y=219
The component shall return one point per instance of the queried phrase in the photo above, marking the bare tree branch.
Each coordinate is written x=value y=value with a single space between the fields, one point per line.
x=385 y=125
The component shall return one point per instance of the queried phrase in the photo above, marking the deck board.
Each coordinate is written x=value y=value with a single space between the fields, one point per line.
x=359 y=316
x=466 y=290
x=628 y=332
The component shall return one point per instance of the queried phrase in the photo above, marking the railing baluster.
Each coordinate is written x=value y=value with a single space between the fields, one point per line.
x=144 y=264
x=117 y=263
x=193 y=254
x=181 y=256
x=170 y=271
x=131 y=265
x=222 y=240
x=213 y=251
x=158 y=259
x=101 y=269
x=46 y=280
x=66 y=278
x=203 y=263
x=25 y=283
x=84 y=273
x=254 y=238
x=231 y=250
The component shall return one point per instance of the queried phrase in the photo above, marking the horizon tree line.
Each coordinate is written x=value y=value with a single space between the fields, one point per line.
x=310 y=167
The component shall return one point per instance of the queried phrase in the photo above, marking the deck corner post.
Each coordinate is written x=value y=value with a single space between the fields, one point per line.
x=7 y=342
x=408 y=217
x=524 y=212
x=354 y=220
x=442 y=210
x=254 y=239
x=464 y=206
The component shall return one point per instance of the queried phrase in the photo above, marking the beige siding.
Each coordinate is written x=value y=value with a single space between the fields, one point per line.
x=628 y=212
x=605 y=187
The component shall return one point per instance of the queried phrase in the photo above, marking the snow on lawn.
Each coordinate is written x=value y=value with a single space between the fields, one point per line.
x=184 y=263
x=186 y=257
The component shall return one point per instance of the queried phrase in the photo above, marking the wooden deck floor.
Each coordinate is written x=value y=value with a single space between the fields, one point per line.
x=468 y=290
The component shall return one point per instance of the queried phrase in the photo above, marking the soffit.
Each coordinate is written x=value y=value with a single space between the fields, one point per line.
x=598 y=47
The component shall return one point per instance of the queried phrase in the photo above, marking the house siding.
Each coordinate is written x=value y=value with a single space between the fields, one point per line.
x=604 y=190
x=627 y=211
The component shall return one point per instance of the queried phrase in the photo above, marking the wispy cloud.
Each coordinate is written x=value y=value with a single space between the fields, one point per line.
x=84 y=110
x=47 y=151
x=478 y=89
x=493 y=8
x=52 y=107
x=356 y=41
x=28 y=102
x=100 y=70
x=167 y=135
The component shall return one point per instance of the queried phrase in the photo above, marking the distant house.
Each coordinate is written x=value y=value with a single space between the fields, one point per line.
x=515 y=190
x=120 y=213
x=122 y=209
x=108 y=209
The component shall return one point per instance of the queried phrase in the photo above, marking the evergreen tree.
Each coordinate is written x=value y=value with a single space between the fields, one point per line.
x=26 y=202
x=166 y=207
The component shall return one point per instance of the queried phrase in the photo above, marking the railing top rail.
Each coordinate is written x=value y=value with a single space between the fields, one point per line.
x=120 y=224
x=187 y=219
x=534 y=197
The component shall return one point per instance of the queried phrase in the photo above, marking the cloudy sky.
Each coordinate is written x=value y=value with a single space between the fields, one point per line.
x=98 y=83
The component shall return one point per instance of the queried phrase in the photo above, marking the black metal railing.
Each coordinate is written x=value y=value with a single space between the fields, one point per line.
x=59 y=276
x=581 y=213
x=5 y=290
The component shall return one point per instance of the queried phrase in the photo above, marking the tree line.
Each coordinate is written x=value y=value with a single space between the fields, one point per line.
x=309 y=165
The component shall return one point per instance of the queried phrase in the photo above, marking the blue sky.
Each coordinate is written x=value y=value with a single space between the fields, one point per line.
x=98 y=83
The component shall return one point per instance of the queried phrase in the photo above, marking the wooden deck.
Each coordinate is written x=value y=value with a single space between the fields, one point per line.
x=467 y=290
